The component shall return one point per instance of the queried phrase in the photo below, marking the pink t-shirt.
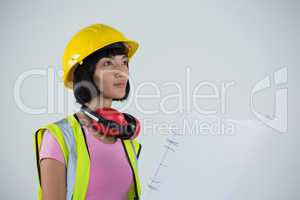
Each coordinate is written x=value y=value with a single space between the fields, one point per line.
x=110 y=172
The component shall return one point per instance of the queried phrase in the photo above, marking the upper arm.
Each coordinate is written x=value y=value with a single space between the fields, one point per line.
x=53 y=179
x=53 y=169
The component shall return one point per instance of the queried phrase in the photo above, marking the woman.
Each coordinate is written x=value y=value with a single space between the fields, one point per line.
x=93 y=153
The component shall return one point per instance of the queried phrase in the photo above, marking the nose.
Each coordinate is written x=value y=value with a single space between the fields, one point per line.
x=121 y=74
x=121 y=69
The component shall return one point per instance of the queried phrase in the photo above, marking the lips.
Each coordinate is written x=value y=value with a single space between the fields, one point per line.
x=120 y=84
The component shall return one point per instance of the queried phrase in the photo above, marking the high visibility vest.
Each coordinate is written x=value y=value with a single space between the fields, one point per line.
x=72 y=140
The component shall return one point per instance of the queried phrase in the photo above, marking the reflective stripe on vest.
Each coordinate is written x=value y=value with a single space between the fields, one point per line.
x=71 y=138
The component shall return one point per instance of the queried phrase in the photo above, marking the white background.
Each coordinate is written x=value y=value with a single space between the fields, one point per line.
x=216 y=41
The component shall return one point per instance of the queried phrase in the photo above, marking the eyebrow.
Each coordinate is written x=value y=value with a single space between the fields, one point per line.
x=124 y=56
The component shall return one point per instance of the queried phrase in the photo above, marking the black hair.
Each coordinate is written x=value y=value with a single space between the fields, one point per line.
x=84 y=86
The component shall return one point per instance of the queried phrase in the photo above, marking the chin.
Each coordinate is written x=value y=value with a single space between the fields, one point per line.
x=118 y=96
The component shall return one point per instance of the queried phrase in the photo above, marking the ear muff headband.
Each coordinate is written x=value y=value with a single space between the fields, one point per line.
x=111 y=127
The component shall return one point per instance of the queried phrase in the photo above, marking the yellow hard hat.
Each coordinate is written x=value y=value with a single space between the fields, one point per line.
x=87 y=41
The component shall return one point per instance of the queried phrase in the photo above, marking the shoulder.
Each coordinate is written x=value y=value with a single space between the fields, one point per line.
x=50 y=148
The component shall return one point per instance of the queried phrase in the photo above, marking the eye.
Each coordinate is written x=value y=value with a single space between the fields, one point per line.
x=125 y=62
x=107 y=63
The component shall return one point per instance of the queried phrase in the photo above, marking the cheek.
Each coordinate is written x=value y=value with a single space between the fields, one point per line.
x=103 y=80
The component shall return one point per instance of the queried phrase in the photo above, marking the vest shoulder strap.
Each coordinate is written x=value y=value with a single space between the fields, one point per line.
x=81 y=161
x=132 y=148
x=137 y=147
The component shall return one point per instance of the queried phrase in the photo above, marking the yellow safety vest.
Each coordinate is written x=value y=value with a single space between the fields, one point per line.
x=71 y=138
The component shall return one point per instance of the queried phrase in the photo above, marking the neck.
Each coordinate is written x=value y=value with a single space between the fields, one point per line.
x=99 y=102
x=94 y=104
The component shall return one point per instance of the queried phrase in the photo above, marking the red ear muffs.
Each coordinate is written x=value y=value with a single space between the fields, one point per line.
x=111 y=122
